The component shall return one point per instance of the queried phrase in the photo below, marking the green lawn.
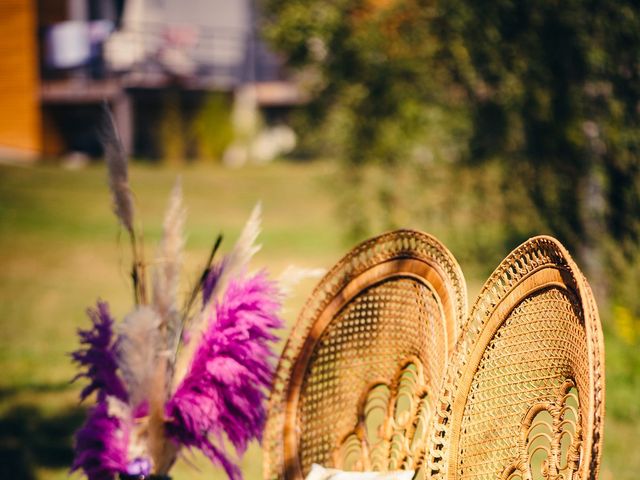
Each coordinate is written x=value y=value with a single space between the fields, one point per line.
x=61 y=249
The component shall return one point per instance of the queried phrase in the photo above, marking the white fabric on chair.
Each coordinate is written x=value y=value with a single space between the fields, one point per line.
x=318 y=472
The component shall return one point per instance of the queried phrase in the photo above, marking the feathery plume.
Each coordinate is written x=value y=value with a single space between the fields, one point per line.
x=99 y=356
x=223 y=392
x=118 y=172
x=101 y=443
x=246 y=247
x=167 y=272
x=137 y=352
x=236 y=261
x=118 y=168
x=292 y=276
x=165 y=292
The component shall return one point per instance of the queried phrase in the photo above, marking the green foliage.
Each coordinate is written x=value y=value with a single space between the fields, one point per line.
x=551 y=90
x=623 y=368
x=484 y=123
x=554 y=92
x=370 y=87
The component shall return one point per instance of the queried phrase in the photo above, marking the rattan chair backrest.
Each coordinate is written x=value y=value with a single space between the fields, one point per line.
x=523 y=396
x=357 y=381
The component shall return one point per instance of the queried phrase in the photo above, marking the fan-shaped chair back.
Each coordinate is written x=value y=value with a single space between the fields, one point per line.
x=370 y=378
x=357 y=381
x=524 y=393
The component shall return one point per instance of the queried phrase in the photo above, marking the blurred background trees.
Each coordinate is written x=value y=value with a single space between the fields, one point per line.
x=537 y=101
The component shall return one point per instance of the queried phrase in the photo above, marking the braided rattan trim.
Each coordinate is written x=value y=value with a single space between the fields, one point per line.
x=512 y=278
x=596 y=345
x=402 y=244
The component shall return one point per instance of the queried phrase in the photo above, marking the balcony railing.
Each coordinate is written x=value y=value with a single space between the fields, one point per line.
x=156 y=53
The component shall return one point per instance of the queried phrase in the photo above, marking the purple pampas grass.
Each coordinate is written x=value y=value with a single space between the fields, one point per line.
x=101 y=444
x=99 y=357
x=224 y=389
x=172 y=377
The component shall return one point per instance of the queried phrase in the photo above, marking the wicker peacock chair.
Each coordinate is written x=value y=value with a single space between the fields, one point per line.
x=388 y=309
x=523 y=397
x=370 y=378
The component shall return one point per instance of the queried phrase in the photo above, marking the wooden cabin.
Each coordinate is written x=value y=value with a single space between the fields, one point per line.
x=20 y=118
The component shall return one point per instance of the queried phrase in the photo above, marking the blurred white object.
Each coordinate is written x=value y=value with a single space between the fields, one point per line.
x=236 y=155
x=178 y=44
x=124 y=49
x=75 y=42
x=293 y=275
x=271 y=143
x=177 y=61
x=264 y=147
x=68 y=44
x=318 y=472
x=76 y=161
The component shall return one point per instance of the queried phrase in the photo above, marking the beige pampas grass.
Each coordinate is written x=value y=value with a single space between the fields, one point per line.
x=246 y=247
x=116 y=159
x=166 y=275
x=242 y=252
x=117 y=165
x=137 y=349
x=166 y=279
x=293 y=275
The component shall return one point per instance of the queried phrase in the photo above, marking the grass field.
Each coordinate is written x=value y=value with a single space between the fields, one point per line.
x=61 y=249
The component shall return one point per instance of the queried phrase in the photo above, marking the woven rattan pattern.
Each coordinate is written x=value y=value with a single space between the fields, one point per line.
x=365 y=343
x=536 y=349
x=390 y=434
x=572 y=350
x=550 y=440
x=399 y=244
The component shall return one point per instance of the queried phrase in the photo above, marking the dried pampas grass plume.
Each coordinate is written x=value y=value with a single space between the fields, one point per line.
x=236 y=261
x=117 y=165
x=166 y=275
x=293 y=275
x=246 y=247
x=118 y=172
x=137 y=352
x=166 y=279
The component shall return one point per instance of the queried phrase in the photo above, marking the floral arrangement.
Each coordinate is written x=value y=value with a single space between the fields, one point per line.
x=173 y=376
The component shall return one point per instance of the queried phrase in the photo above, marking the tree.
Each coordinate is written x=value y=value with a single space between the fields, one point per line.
x=551 y=90
x=373 y=71
x=554 y=92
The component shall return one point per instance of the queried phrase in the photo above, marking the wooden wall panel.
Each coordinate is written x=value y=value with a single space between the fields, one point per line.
x=19 y=86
